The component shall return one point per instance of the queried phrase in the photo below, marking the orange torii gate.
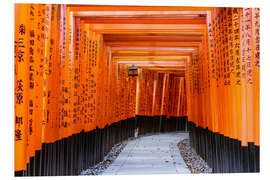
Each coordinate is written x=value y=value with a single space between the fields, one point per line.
x=72 y=91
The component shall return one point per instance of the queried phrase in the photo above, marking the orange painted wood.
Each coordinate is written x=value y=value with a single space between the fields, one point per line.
x=196 y=61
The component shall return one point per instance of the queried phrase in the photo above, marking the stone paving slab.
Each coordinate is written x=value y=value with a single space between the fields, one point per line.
x=154 y=154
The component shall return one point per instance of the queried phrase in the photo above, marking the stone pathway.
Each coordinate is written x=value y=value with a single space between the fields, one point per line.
x=154 y=154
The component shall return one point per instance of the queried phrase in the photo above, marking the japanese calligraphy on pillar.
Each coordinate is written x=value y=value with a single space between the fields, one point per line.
x=256 y=73
x=256 y=34
x=247 y=41
x=236 y=45
x=231 y=66
x=21 y=85
x=31 y=78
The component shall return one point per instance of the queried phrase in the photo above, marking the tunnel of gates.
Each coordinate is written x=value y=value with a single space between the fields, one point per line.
x=198 y=71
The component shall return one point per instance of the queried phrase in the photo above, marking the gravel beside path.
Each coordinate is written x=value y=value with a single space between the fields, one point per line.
x=108 y=160
x=193 y=161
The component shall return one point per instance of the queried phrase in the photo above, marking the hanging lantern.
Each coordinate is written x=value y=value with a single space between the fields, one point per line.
x=133 y=71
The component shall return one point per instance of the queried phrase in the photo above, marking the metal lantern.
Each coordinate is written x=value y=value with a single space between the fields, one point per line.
x=133 y=71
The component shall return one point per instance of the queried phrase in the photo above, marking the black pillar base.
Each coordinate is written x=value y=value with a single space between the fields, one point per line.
x=223 y=154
